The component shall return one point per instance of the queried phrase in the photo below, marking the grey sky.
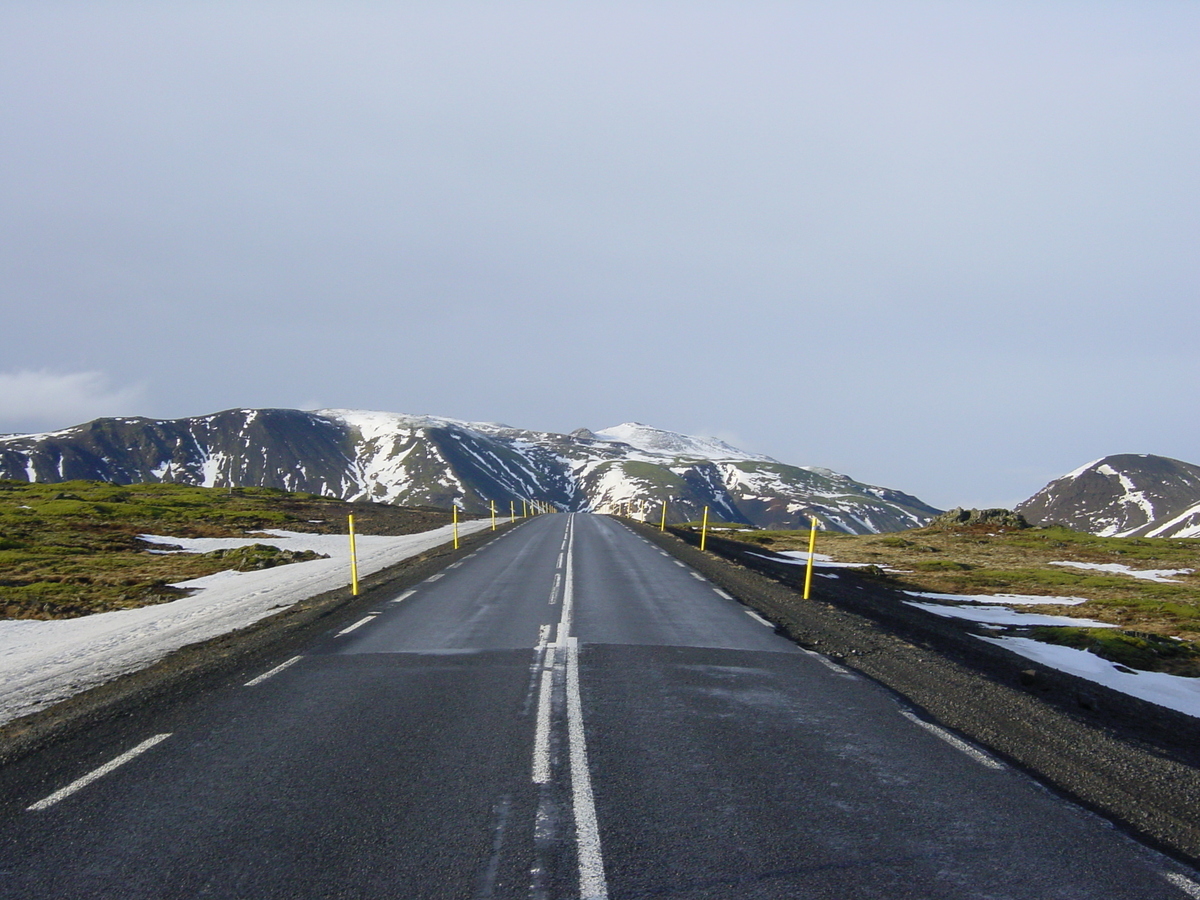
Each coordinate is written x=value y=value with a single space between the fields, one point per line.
x=946 y=247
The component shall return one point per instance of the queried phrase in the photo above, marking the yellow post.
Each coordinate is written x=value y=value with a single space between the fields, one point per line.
x=455 y=526
x=512 y=515
x=704 y=530
x=662 y=526
x=524 y=510
x=812 y=547
x=493 y=515
x=353 y=560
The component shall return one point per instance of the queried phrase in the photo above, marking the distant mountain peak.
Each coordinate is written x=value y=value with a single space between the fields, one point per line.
x=1126 y=494
x=660 y=442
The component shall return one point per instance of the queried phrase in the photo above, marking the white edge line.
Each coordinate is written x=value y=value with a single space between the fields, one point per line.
x=721 y=593
x=97 y=773
x=1184 y=883
x=363 y=621
x=592 y=883
x=978 y=756
x=757 y=618
x=404 y=596
x=275 y=671
x=826 y=661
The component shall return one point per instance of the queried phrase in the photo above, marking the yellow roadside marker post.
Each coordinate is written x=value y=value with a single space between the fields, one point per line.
x=524 y=510
x=704 y=530
x=353 y=560
x=812 y=547
x=493 y=515
x=662 y=526
x=455 y=526
x=512 y=511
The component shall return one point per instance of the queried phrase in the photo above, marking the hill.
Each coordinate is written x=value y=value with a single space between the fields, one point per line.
x=1125 y=495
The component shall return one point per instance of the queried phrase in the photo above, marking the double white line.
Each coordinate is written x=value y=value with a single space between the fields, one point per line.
x=592 y=883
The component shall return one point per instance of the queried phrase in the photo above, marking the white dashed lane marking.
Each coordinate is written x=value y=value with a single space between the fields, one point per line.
x=1184 y=883
x=361 y=622
x=275 y=671
x=757 y=618
x=83 y=782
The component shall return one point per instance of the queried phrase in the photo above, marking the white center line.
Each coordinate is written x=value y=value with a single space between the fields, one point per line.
x=275 y=671
x=361 y=622
x=759 y=619
x=98 y=773
x=592 y=883
x=977 y=755
x=541 y=732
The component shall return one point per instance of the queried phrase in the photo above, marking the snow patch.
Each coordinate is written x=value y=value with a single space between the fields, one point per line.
x=1171 y=691
x=1002 y=615
x=1163 y=576
x=42 y=663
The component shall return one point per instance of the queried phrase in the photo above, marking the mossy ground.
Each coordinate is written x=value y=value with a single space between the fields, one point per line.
x=71 y=549
x=987 y=560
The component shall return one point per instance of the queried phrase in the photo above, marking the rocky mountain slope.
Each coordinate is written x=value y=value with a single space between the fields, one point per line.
x=425 y=460
x=1129 y=494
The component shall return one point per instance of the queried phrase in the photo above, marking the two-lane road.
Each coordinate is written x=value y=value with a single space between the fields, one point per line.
x=567 y=712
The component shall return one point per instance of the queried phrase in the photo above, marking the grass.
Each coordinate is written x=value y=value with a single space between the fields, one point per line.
x=988 y=560
x=71 y=549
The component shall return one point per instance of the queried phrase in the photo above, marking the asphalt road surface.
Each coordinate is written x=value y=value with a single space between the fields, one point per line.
x=569 y=712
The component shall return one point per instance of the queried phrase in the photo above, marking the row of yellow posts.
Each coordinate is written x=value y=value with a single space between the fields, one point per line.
x=539 y=508
x=812 y=540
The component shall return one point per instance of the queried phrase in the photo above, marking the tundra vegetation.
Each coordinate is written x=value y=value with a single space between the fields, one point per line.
x=71 y=549
x=1157 y=623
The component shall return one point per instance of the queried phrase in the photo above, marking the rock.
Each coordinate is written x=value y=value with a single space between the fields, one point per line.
x=1001 y=518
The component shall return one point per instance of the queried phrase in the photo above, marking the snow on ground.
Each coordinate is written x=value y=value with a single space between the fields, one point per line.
x=42 y=663
x=1007 y=599
x=1002 y=615
x=1172 y=691
x=820 y=561
x=1160 y=575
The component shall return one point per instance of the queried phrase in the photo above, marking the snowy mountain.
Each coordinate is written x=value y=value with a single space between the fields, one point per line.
x=427 y=460
x=1124 y=495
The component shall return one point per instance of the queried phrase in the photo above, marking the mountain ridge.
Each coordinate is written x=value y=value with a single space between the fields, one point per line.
x=431 y=460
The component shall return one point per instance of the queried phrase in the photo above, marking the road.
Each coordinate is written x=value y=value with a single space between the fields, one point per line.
x=568 y=712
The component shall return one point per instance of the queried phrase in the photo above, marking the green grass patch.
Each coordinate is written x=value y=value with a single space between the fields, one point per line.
x=71 y=549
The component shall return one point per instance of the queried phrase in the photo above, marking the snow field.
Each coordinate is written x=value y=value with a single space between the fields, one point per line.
x=44 y=662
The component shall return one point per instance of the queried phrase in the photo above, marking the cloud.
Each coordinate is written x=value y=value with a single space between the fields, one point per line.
x=40 y=399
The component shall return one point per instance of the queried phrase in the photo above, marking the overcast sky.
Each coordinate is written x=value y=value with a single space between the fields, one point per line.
x=947 y=247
